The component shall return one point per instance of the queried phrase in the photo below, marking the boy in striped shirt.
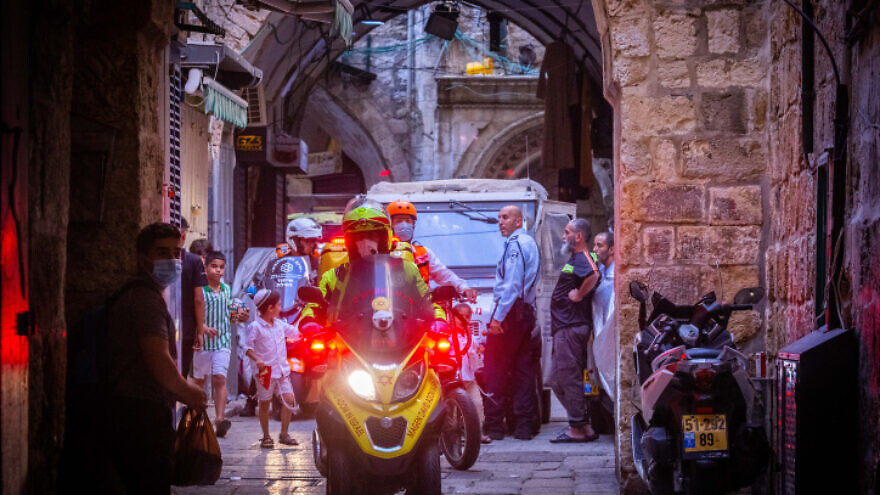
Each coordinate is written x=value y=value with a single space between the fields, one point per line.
x=213 y=346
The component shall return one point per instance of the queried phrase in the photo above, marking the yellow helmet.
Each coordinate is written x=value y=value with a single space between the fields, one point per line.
x=365 y=215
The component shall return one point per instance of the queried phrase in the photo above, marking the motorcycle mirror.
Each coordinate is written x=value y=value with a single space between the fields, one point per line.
x=749 y=295
x=311 y=295
x=443 y=293
x=638 y=291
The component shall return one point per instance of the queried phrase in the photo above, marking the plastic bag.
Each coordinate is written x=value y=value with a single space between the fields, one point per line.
x=197 y=457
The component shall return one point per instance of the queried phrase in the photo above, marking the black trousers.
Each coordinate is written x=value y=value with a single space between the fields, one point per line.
x=510 y=366
x=142 y=444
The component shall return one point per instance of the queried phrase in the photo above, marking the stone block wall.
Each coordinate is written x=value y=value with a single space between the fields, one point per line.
x=691 y=161
x=791 y=253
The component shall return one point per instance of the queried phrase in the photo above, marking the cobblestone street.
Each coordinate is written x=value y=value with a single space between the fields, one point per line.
x=506 y=467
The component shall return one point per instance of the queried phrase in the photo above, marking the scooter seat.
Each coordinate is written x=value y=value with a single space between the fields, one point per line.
x=702 y=353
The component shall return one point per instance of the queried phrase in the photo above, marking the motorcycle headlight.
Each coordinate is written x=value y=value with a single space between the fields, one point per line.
x=361 y=383
x=408 y=382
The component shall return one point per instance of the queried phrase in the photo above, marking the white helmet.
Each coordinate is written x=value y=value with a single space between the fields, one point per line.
x=303 y=227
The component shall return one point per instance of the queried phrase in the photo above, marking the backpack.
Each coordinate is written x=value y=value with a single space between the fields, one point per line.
x=87 y=363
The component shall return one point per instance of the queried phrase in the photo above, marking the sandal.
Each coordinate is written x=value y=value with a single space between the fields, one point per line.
x=486 y=439
x=287 y=440
x=222 y=427
x=267 y=443
x=566 y=438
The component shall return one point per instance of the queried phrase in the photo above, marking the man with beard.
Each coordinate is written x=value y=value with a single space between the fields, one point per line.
x=571 y=325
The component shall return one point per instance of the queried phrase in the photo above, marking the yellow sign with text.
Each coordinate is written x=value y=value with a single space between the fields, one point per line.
x=249 y=143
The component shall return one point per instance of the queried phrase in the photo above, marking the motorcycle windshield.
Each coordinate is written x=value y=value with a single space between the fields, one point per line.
x=286 y=275
x=378 y=310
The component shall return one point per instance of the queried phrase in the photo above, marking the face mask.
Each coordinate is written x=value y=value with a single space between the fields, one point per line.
x=166 y=272
x=404 y=230
x=565 y=250
x=367 y=247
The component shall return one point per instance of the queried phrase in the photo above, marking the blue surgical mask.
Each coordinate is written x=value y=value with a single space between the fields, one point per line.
x=166 y=272
x=404 y=231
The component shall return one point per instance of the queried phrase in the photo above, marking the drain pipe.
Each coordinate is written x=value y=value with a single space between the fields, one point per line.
x=411 y=58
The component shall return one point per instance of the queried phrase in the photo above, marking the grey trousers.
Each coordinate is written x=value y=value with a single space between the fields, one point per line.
x=567 y=372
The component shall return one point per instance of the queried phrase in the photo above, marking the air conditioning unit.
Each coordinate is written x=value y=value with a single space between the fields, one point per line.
x=256 y=111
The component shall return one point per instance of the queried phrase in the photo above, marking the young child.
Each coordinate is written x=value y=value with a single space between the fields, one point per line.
x=266 y=346
x=471 y=361
x=213 y=346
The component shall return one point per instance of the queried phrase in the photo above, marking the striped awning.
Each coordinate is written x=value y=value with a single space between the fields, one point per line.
x=224 y=104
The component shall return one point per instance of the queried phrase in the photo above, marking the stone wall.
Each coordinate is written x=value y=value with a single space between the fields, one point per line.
x=401 y=106
x=691 y=151
x=791 y=253
x=103 y=68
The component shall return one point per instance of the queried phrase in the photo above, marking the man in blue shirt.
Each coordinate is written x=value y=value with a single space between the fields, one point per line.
x=510 y=363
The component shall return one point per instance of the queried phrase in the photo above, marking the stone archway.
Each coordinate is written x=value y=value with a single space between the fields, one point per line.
x=358 y=132
x=510 y=149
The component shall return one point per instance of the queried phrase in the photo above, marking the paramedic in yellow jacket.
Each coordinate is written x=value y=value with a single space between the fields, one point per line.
x=367 y=232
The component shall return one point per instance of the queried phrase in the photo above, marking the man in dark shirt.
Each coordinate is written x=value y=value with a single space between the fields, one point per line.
x=143 y=378
x=192 y=301
x=571 y=323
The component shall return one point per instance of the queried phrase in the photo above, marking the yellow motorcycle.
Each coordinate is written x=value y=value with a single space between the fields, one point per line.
x=379 y=413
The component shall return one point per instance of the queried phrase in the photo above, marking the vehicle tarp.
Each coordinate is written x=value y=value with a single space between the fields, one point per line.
x=453 y=186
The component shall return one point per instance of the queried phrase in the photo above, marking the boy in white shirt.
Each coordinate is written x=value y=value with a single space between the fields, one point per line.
x=266 y=346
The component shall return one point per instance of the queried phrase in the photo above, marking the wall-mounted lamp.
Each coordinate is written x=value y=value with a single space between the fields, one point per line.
x=367 y=17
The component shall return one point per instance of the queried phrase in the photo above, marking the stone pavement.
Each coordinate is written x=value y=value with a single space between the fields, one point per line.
x=509 y=466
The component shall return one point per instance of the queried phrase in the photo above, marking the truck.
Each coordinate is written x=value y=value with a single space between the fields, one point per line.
x=458 y=220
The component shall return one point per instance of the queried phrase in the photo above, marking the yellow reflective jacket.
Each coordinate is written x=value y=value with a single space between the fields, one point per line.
x=330 y=283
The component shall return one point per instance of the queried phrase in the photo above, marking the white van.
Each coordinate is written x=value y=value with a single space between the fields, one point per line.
x=458 y=220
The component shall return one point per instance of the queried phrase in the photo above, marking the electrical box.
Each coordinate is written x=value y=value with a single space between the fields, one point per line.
x=816 y=423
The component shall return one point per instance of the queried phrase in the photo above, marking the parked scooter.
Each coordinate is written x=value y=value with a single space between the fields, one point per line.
x=461 y=434
x=380 y=411
x=700 y=425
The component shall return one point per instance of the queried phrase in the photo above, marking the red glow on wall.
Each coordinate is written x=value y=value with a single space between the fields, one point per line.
x=384 y=173
x=15 y=347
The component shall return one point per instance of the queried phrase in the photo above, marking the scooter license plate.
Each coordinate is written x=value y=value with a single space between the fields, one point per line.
x=704 y=432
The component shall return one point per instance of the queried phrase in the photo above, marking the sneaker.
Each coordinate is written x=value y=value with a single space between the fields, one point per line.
x=222 y=427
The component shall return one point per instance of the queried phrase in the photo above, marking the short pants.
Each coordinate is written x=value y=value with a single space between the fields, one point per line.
x=206 y=363
x=278 y=386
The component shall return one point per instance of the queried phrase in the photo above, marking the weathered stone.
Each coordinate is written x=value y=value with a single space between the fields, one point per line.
x=724 y=112
x=629 y=37
x=747 y=73
x=627 y=242
x=723 y=28
x=659 y=244
x=738 y=205
x=759 y=110
x=634 y=157
x=673 y=74
x=630 y=71
x=675 y=35
x=733 y=278
x=723 y=158
x=658 y=202
x=713 y=74
x=664 y=161
x=616 y=8
x=744 y=325
x=726 y=245
x=643 y=115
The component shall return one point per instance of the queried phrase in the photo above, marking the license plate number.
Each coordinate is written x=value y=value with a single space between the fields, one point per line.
x=704 y=432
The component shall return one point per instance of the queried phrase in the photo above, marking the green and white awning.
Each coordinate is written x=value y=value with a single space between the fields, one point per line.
x=224 y=104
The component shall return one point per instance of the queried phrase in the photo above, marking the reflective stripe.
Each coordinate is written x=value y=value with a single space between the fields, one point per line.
x=423 y=261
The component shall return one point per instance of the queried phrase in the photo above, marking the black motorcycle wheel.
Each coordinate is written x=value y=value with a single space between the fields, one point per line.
x=704 y=482
x=340 y=479
x=460 y=437
x=428 y=476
